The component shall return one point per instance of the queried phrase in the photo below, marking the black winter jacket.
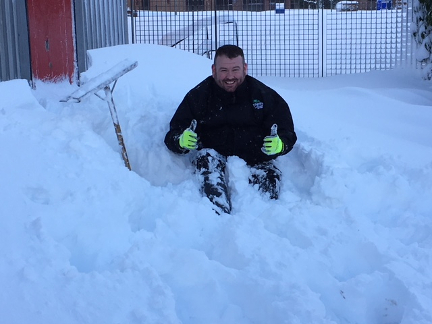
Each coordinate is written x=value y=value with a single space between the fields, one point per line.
x=233 y=123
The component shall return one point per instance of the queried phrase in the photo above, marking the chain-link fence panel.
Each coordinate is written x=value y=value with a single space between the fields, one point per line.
x=295 y=38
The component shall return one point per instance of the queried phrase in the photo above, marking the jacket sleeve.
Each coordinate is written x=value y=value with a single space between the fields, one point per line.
x=180 y=121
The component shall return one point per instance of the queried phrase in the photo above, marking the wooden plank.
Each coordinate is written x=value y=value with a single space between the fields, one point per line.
x=101 y=81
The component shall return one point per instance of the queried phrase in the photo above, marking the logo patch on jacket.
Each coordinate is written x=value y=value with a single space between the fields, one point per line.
x=258 y=104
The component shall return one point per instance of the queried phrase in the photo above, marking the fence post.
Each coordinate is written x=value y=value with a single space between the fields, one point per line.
x=132 y=21
x=215 y=26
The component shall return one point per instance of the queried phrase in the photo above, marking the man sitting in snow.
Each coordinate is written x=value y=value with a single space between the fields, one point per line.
x=232 y=114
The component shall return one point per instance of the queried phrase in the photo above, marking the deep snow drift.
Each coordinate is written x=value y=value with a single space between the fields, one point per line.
x=85 y=240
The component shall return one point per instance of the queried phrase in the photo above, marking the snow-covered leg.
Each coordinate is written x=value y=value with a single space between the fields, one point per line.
x=210 y=168
x=267 y=177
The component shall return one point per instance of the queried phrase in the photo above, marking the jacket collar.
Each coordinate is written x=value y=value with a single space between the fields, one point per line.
x=240 y=93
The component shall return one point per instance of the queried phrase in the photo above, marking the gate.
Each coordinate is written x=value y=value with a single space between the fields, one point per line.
x=51 y=39
x=295 y=38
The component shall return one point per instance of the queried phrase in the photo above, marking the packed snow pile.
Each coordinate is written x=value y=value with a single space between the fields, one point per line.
x=85 y=240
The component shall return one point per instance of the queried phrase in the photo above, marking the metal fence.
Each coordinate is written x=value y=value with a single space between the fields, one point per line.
x=294 y=38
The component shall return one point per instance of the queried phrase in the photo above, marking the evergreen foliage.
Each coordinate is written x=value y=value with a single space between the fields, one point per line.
x=422 y=32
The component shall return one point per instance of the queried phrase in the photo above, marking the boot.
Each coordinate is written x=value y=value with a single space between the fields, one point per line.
x=267 y=177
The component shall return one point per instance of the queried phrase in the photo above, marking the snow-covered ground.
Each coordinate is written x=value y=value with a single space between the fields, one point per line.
x=85 y=240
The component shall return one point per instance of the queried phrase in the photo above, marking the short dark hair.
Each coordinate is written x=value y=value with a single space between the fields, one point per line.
x=230 y=51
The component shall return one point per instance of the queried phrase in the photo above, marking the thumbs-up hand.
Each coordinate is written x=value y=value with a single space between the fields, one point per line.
x=272 y=144
x=188 y=139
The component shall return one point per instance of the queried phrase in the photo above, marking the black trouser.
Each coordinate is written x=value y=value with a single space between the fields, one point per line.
x=211 y=169
x=267 y=177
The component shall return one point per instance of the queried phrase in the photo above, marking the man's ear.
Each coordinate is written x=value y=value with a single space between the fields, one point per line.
x=245 y=68
x=213 y=68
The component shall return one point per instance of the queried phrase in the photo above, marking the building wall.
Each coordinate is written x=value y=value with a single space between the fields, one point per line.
x=14 y=41
x=202 y=5
x=99 y=23
x=252 y=5
x=92 y=23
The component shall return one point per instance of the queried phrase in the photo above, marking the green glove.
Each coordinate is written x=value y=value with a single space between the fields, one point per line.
x=272 y=144
x=188 y=139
